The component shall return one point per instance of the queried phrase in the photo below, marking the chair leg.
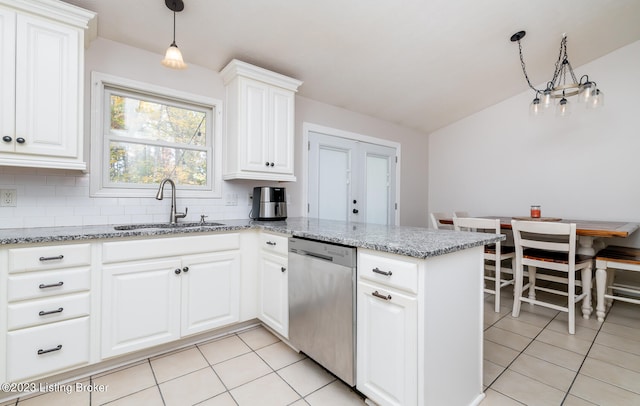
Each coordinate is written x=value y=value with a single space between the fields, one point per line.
x=601 y=284
x=587 y=309
x=518 y=275
x=498 y=282
x=571 y=305
x=532 y=282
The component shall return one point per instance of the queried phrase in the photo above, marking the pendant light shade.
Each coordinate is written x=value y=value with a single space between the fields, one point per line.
x=173 y=56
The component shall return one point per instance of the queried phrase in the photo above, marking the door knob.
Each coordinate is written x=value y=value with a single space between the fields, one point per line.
x=185 y=269
x=178 y=271
x=355 y=211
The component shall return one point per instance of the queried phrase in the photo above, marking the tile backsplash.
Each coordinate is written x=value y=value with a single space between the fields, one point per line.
x=51 y=198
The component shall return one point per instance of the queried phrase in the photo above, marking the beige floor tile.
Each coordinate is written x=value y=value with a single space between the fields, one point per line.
x=147 y=397
x=240 y=370
x=555 y=355
x=532 y=318
x=571 y=400
x=60 y=395
x=9 y=402
x=601 y=393
x=564 y=340
x=622 y=330
x=279 y=355
x=615 y=357
x=543 y=371
x=305 y=376
x=224 y=349
x=527 y=390
x=519 y=327
x=507 y=338
x=258 y=337
x=490 y=372
x=619 y=343
x=223 y=399
x=623 y=319
x=582 y=332
x=300 y=402
x=192 y=388
x=490 y=317
x=590 y=323
x=123 y=382
x=270 y=390
x=176 y=364
x=612 y=374
x=498 y=354
x=336 y=393
x=493 y=398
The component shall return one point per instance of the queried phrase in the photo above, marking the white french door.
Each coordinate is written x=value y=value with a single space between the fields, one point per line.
x=351 y=180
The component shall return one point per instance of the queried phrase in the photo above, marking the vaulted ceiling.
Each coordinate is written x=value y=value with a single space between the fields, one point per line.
x=422 y=64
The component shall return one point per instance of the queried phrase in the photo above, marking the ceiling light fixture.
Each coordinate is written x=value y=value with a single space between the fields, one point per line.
x=173 y=56
x=562 y=85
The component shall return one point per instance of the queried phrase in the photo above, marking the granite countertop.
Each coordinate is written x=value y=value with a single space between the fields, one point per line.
x=414 y=242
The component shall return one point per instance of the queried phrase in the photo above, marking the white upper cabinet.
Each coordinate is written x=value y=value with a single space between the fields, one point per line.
x=259 y=130
x=42 y=67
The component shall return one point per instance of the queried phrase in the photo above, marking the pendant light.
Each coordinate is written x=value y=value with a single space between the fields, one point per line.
x=562 y=85
x=173 y=56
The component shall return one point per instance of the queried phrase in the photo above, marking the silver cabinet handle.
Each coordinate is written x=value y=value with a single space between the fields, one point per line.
x=185 y=269
x=58 y=348
x=43 y=313
x=177 y=271
x=52 y=285
x=42 y=259
x=377 y=270
x=271 y=243
x=376 y=294
x=6 y=138
x=20 y=140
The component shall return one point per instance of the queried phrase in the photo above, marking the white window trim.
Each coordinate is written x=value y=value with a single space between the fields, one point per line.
x=96 y=178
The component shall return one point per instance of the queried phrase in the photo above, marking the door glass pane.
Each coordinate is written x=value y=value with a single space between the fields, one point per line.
x=333 y=186
x=377 y=189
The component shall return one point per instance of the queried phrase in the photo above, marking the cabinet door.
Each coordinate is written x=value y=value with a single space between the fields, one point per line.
x=254 y=117
x=273 y=293
x=281 y=140
x=387 y=352
x=47 y=83
x=210 y=291
x=140 y=305
x=7 y=78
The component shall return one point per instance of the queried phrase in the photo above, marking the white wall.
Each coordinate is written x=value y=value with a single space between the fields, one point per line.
x=58 y=198
x=500 y=161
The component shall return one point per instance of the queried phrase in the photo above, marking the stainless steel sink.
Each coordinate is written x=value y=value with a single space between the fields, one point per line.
x=131 y=227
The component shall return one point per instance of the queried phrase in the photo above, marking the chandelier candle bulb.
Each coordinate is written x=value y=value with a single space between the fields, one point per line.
x=535 y=212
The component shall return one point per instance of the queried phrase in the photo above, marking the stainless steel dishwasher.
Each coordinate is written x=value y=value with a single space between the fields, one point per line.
x=322 y=321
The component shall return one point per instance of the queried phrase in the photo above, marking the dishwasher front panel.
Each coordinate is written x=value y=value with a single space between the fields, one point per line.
x=322 y=304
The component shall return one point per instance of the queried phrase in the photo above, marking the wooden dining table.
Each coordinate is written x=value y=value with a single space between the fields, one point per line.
x=589 y=232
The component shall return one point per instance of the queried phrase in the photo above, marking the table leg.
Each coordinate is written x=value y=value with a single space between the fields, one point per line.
x=586 y=245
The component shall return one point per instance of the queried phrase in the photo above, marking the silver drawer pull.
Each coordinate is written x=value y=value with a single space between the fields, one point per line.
x=58 y=348
x=53 y=285
x=271 y=243
x=43 y=313
x=377 y=270
x=376 y=294
x=51 y=258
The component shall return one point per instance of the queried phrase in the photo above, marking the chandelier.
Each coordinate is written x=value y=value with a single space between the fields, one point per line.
x=562 y=85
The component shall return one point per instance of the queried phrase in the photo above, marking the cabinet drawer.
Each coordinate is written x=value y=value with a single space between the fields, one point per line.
x=121 y=251
x=58 y=308
x=388 y=270
x=50 y=257
x=34 y=285
x=44 y=349
x=274 y=243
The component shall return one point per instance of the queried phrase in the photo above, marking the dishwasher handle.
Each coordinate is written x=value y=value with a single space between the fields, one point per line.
x=312 y=254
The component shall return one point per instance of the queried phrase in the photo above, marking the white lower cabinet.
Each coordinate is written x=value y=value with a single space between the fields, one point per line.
x=273 y=283
x=155 y=301
x=387 y=345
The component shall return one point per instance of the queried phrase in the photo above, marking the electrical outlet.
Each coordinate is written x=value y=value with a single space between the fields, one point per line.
x=250 y=199
x=8 y=197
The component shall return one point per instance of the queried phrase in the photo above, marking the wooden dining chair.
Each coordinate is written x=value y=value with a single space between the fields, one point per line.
x=494 y=255
x=435 y=220
x=548 y=250
x=608 y=261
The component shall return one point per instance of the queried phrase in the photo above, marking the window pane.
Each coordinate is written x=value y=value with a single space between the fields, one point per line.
x=149 y=120
x=147 y=164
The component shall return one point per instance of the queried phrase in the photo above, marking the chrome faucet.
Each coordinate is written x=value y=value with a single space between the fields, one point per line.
x=173 y=217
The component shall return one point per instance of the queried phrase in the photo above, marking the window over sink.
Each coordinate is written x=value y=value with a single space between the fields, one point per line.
x=143 y=133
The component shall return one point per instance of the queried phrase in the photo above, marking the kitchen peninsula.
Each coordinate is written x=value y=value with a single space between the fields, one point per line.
x=417 y=345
